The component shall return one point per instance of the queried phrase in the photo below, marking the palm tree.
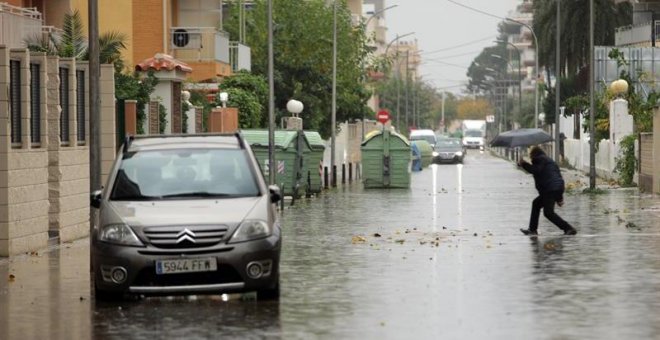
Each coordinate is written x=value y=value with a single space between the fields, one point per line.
x=72 y=42
x=574 y=54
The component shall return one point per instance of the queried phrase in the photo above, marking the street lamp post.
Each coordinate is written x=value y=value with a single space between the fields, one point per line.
x=557 y=80
x=366 y=24
x=519 y=81
x=592 y=146
x=398 y=89
x=333 y=171
x=366 y=27
x=519 y=74
x=536 y=70
x=271 y=99
x=395 y=39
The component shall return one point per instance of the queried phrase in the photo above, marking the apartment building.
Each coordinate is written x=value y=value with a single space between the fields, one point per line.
x=520 y=45
x=645 y=28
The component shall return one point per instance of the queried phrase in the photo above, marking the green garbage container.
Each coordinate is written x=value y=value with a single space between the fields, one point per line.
x=314 y=163
x=291 y=150
x=426 y=151
x=386 y=160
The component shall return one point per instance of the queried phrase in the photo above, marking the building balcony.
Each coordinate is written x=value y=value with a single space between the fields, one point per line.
x=645 y=34
x=18 y=24
x=209 y=52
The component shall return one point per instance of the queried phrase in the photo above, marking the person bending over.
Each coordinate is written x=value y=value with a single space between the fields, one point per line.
x=550 y=185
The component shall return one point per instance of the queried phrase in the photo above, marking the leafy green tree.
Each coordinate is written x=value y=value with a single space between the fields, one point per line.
x=249 y=93
x=135 y=86
x=303 y=37
x=426 y=100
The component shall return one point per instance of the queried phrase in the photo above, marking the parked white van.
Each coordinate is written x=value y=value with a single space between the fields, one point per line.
x=424 y=134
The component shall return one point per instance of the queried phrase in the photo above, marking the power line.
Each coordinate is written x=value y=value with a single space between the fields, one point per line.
x=476 y=10
x=443 y=63
x=456 y=55
x=460 y=45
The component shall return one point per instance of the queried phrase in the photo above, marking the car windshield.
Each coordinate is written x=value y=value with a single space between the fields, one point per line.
x=428 y=138
x=189 y=173
x=473 y=133
x=448 y=144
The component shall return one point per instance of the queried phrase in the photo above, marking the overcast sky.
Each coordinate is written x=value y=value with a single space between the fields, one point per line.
x=442 y=26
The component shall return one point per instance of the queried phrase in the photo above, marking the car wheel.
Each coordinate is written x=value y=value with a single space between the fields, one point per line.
x=269 y=293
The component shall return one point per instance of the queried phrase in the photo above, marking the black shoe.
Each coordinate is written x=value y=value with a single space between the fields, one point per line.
x=570 y=231
x=529 y=232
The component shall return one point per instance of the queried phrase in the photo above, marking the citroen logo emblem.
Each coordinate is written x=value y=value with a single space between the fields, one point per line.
x=185 y=235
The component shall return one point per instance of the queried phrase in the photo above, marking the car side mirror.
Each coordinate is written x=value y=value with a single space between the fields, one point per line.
x=95 y=198
x=275 y=194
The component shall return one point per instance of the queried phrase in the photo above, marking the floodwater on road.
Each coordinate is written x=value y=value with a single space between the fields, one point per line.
x=444 y=259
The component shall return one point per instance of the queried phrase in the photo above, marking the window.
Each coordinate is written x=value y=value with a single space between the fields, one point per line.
x=35 y=103
x=180 y=173
x=80 y=104
x=15 y=100
x=64 y=103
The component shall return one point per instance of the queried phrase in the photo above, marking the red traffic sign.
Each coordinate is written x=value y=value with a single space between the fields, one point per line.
x=383 y=116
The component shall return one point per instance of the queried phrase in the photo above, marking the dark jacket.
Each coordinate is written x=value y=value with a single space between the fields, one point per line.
x=547 y=176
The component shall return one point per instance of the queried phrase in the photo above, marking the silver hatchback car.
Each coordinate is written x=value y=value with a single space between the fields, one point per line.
x=186 y=214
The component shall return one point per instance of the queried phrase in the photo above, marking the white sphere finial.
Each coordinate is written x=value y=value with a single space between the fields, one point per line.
x=619 y=87
x=295 y=107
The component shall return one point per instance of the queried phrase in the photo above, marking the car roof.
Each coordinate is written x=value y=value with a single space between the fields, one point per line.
x=197 y=141
x=422 y=132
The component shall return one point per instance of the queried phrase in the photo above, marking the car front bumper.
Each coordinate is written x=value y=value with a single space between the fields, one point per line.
x=231 y=276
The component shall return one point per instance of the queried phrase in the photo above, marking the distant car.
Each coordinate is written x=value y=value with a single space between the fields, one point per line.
x=448 y=150
x=186 y=215
x=424 y=134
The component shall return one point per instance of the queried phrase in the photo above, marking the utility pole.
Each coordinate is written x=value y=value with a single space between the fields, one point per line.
x=94 y=98
x=398 y=89
x=407 y=122
x=334 y=96
x=442 y=119
x=271 y=99
x=557 y=81
x=94 y=110
x=592 y=128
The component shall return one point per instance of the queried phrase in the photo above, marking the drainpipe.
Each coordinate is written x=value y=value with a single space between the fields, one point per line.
x=165 y=33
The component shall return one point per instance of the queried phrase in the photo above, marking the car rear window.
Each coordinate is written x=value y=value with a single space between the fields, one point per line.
x=179 y=173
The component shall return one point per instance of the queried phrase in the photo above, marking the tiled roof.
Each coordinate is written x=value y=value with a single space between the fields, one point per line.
x=163 y=61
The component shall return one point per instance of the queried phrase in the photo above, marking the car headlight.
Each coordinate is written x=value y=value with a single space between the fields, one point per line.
x=435 y=154
x=459 y=153
x=119 y=234
x=251 y=230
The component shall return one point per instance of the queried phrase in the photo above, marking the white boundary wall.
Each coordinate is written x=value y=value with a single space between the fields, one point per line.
x=576 y=151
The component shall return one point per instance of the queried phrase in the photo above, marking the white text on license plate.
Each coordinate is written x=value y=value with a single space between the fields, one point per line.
x=186 y=266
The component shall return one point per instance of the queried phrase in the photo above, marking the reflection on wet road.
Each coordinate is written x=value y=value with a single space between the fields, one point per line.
x=443 y=259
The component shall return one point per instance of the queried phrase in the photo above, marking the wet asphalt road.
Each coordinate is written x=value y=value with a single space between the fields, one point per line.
x=444 y=259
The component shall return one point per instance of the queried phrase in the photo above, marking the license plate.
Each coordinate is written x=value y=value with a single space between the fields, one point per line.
x=186 y=266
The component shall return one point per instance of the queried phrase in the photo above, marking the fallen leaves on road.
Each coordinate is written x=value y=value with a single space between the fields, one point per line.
x=359 y=240
x=631 y=225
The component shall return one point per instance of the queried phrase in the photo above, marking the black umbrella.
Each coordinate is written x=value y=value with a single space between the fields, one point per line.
x=521 y=137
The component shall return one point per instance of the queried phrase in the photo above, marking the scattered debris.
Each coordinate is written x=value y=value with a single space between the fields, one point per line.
x=630 y=225
x=359 y=240
x=12 y=278
x=377 y=235
x=400 y=241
